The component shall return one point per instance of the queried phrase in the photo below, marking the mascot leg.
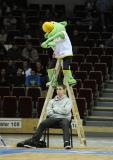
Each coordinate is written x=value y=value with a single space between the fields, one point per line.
x=68 y=77
x=50 y=74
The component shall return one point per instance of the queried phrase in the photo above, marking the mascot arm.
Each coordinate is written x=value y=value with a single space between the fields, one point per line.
x=50 y=41
x=57 y=35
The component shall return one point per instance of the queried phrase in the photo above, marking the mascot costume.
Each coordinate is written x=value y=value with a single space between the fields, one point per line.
x=58 y=40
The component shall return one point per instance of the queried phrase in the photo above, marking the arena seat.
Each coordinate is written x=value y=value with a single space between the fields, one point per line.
x=86 y=67
x=25 y=107
x=9 y=106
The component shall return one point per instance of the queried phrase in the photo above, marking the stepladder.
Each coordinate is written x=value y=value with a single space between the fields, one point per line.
x=76 y=117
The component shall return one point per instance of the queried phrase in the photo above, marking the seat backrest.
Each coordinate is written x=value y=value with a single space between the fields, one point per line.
x=78 y=85
x=97 y=75
x=89 y=83
x=92 y=59
x=86 y=67
x=82 y=107
x=74 y=67
x=18 y=91
x=88 y=95
x=25 y=107
x=103 y=68
x=40 y=104
x=108 y=59
x=81 y=75
x=9 y=106
x=78 y=58
x=109 y=50
x=97 y=50
x=4 y=91
x=34 y=92
x=83 y=50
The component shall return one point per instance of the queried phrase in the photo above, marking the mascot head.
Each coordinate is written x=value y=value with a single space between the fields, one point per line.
x=51 y=28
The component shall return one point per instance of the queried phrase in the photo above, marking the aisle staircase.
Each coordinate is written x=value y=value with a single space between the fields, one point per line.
x=101 y=119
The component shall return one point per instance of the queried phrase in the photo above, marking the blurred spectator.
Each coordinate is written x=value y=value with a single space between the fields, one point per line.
x=9 y=22
x=3 y=52
x=4 y=81
x=3 y=36
x=26 y=69
x=43 y=74
x=11 y=71
x=109 y=42
x=5 y=8
x=14 y=53
x=19 y=78
x=29 y=53
x=33 y=80
x=103 y=8
x=24 y=26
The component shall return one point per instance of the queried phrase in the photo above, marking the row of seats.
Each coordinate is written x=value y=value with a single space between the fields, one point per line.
x=93 y=75
x=33 y=92
x=11 y=107
x=94 y=50
x=108 y=59
x=90 y=67
x=89 y=86
x=19 y=63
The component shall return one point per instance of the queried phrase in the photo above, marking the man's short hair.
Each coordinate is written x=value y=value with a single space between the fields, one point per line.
x=61 y=85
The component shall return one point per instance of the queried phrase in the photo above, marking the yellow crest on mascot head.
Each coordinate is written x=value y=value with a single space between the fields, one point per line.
x=47 y=27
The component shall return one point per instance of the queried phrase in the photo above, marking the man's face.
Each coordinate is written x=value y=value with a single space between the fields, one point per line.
x=60 y=91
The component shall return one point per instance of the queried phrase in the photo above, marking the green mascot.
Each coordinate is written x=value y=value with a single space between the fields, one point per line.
x=58 y=39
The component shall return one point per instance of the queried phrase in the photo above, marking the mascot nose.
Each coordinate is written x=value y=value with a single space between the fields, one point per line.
x=47 y=27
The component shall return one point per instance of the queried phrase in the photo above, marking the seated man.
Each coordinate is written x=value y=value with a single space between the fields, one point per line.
x=58 y=113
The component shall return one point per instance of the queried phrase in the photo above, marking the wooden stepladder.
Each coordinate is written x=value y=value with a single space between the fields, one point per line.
x=76 y=117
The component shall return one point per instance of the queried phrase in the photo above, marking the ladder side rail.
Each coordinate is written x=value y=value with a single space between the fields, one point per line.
x=50 y=91
x=79 y=127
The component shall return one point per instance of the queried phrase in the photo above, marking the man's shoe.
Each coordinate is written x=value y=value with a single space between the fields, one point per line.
x=67 y=145
x=29 y=144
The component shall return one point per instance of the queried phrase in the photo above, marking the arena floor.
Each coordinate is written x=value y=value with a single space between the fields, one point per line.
x=97 y=148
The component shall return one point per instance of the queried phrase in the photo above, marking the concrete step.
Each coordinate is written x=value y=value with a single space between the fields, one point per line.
x=104 y=104
x=100 y=118
x=107 y=90
x=104 y=99
x=102 y=108
x=109 y=84
x=99 y=123
x=97 y=131
x=107 y=94
x=102 y=113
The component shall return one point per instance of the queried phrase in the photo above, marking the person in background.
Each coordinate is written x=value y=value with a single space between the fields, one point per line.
x=19 y=78
x=109 y=42
x=103 y=8
x=14 y=53
x=4 y=81
x=3 y=36
x=43 y=74
x=26 y=69
x=30 y=54
x=11 y=71
x=58 y=113
x=3 y=52
x=33 y=80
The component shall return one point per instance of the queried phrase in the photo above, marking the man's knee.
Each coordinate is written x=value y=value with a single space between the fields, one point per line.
x=42 y=125
x=66 y=123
